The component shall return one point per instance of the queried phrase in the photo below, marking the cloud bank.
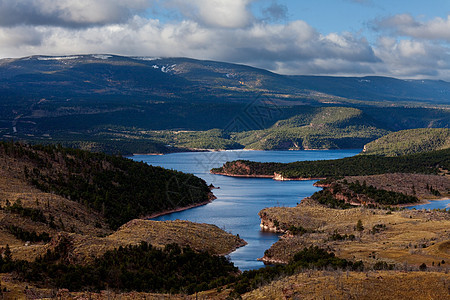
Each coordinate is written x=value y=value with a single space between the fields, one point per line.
x=224 y=30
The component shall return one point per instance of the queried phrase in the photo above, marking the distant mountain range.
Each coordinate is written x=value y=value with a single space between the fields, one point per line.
x=92 y=99
x=70 y=76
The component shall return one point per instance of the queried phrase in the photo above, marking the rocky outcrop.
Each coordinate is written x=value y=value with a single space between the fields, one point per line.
x=268 y=225
x=280 y=177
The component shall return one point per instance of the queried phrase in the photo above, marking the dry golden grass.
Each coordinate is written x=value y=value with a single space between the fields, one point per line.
x=68 y=215
x=306 y=285
x=352 y=285
x=18 y=290
x=411 y=237
x=199 y=236
x=84 y=248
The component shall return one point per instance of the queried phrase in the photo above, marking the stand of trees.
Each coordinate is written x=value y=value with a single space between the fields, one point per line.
x=381 y=196
x=132 y=268
x=168 y=270
x=119 y=188
x=425 y=163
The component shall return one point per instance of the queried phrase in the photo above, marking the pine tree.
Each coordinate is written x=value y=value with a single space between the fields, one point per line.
x=7 y=253
x=359 y=226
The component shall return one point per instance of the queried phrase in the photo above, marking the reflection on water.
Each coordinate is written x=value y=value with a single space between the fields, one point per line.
x=240 y=199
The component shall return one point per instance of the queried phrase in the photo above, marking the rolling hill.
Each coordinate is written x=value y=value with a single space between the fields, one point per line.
x=409 y=142
x=320 y=128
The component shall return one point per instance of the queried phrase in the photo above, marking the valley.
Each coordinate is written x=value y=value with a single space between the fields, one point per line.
x=74 y=220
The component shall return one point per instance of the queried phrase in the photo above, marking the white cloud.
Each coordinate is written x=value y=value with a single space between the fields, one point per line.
x=221 y=30
x=68 y=13
x=272 y=46
x=215 y=13
x=411 y=58
x=19 y=37
x=406 y=25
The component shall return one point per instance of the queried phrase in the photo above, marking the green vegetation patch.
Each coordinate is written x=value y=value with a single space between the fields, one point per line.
x=409 y=142
x=315 y=128
x=28 y=236
x=424 y=163
x=172 y=269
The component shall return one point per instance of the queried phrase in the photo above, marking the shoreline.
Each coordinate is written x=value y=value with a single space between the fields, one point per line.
x=423 y=202
x=243 y=176
x=167 y=212
x=243 y=243
x=188 y=150
x=300 y=179
x=274 y=177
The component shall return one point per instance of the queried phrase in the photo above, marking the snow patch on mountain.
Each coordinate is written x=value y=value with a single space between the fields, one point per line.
x=146 y=58
x=101 y=56
x=57 y=57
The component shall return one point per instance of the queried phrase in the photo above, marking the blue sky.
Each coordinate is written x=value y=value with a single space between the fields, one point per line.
x=346 y=15
x=399 y=38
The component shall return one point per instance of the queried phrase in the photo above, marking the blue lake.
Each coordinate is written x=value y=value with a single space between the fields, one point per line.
x=240 y=199
x=434 y=204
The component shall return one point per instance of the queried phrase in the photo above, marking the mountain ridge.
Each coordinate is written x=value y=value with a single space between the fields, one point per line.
x=39 y=64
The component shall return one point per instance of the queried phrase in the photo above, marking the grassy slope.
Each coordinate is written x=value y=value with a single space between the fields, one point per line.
x=409 y=142
x=68 y=215
x=412 y=237
x=316 y=128
x=84 y=248
x=305 y=285
x=375 y=285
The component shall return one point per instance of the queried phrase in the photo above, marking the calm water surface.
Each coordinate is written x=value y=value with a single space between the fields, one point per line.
x=240 y=199
x=434 y=204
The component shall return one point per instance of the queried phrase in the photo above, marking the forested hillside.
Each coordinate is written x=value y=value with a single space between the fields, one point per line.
x=315 y=128
x=433 y=162
x=409 y=141
x=118 y=188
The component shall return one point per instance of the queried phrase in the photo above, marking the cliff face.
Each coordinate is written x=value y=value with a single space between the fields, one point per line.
x=279 y=177
x=269 y=225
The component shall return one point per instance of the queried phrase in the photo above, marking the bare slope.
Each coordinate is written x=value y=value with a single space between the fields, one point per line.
x=373 y=285
x=84 y=248
x=398 y=237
